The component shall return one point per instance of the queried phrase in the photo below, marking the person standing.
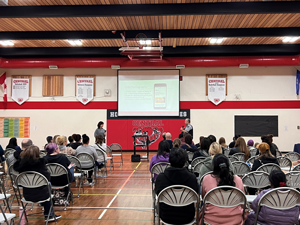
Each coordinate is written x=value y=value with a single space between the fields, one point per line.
x=100 y=130
x=188 y=128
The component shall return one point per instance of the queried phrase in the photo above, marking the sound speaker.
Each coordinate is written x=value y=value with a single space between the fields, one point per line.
x=135 y=158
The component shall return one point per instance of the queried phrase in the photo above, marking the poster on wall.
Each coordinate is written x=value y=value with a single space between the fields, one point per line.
x=85 y=90
x=20 y=90
x=216 y=90
x=14 y=127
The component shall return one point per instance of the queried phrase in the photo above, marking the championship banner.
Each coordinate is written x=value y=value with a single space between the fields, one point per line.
x=216 y=90
x=85 y=90
x=20 y=90
x=121 y=129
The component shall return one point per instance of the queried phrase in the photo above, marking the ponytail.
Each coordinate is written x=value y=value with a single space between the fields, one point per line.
x=221 y=170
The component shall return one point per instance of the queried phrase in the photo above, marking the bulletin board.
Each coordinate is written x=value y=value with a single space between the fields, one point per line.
x=14 y=127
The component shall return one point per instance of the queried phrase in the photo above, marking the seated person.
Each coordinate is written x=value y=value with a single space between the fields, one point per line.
x=30 y=161
x=240 y=147
x=222 y=142
x=169 y=139
x=265 y=157
x=203 y=152
x=208 y=166
x=176 y=143
x=161 y=156
x=189 y=144
x=177 y=174
x=99 y=144
x=49 y=140
x=54 y=156
x=61 y=141
x=273 y=216
x=1 y=154
x=86 y=148
x=199 y=144
x=77 y=143
x=212 y=138
x=71 y=140
x=13 y=144
x=222 y=176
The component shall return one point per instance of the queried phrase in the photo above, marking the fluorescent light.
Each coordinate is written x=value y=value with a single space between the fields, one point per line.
x=6 y=43
x=289 y=39
x=145 y=42
x=75 y=42
x=213 y=40
x=148 y=42
x=219 y=40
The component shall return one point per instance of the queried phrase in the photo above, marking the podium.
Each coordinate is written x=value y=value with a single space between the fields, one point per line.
x=135 y=157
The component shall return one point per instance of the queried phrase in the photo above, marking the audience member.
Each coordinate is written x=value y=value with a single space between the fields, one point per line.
x=169 y=139
x=164 y=135
x=269 y=140
x=30 y=161
x=250 y=144
x=99 y=144
x=177 y=174
x=176 y=143
x=203 y=152
x=273 y=216
x=232 y=144
x=77 y=143
x=100 y=130
x=86 y=148
x=222 y=176
x=61 y=141
x=240 y=147
x=199 y=144
x=54 y=156
x=188 y=139
x=161 y=156
x=256 y=145
x=1 y=154
x=208 y=166
x=49 y=139
x=71 y=140
x=24 y=144
x=13 y=144
x=54 y=138
x=265 y=157
x=212 y=138
x=222 y=142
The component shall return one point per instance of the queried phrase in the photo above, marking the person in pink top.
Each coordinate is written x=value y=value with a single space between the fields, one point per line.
x=221 y=176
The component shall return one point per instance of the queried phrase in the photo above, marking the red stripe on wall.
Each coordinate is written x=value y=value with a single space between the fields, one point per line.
x=183 y=105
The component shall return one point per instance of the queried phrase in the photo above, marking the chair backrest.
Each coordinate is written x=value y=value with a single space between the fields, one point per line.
x=240 y=156
x=293 y=156
x=9 y=152
x=296 y=168
x=233 y=159
x=251 y=159
x=10 y=160
x=293 y=179
x=224 y=197
x=284 y=162
x=253 y=152
x=100 y=153
x=256 y=179
x=269 y=167
x=278 y=153
x=201 y=179
x=159 y=168
x=42 y=154
x=56 y=169
x=240 y=168
x=108 y=151
x=279 y=198
x=85 y=157
x=190 y=155
x=226 y=151
x=74 y=160
x=197 y=160
x=204 y=152
x=197 y=167
x=31 y=179
x=12 y=173
x=115 y=147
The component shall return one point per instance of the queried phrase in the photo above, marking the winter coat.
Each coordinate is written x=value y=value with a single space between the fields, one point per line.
x=264 y=160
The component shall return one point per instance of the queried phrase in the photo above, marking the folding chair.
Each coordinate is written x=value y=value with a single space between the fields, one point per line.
x=251 y=159
x=257 y=180
x=197 y=160
x=110 y=158
x=293 y=179
x=79 y=174
x=253 y=152
x=9 y=152
x=279 y=198
x=190 y=156
x=233 y=158
x=226 y=151
x=42 y=154
x=224 y=197
x=296 y=168
x=285 y=163
x=13 y=175
x=240 y=156
x=178 y=196
x=201 y=180
x=32 y=179
x=102 y=154
x=117 y=147
x=278 y=153
x=269 y=167
x=240 y=168
x=197 y=167
x=57 y=170
x=293 y=156
x=5 y=217
x=86 y=158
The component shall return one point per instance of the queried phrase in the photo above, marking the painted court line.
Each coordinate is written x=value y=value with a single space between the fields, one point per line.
x=102 y=214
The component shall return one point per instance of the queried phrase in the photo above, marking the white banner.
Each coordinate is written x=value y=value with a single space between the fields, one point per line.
x=85 y=90
x=20 y=90
x=216 y=90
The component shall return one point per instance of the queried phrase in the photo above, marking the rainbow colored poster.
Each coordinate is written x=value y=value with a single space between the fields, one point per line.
x=14 y=127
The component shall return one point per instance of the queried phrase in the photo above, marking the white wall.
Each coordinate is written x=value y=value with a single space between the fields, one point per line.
x=253 y=84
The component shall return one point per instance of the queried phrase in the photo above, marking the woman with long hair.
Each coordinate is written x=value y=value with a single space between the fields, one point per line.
x=13 y=144
x=240 y=147
x=176 y=143
x=265 y=156
x=62 y=142
x=221 y=176
x=99 y=144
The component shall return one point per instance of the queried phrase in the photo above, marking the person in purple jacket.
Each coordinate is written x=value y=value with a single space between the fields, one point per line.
x=161 y=156
x=268 y=216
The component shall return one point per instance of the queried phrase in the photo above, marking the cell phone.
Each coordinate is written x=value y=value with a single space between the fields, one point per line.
x=160 y=96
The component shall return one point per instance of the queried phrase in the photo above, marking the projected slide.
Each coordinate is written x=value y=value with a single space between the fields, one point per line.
x=148 y=93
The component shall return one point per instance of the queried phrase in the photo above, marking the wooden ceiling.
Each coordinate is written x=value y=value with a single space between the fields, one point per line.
x=144 y=23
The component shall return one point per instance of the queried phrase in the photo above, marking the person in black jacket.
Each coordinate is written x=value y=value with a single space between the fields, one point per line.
x=30 y=161
x=269 y=140
x=265 y=157
x=203 y=152
x=177 y=174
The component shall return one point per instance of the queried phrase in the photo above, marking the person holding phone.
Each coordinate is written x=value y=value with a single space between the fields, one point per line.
x=187 y=129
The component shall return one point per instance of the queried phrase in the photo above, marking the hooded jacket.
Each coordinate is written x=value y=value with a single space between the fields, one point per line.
x=264 y=160
x=176 y=176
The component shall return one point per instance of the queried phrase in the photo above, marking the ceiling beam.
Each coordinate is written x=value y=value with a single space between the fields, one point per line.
x=212 y=50
x=192 y=33
x=150 y=9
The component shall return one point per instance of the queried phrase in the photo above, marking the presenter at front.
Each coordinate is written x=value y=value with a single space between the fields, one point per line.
x=188 y=127
x=100 y=130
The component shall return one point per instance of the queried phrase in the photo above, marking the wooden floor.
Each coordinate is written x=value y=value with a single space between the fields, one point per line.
x=124 y=197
